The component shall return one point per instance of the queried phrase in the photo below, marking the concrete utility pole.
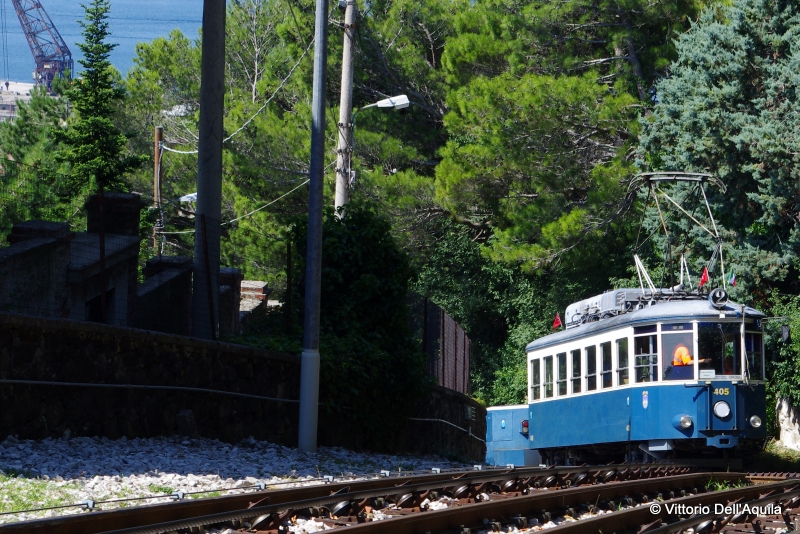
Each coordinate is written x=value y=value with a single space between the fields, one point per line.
x=344 y=150
x=205 y=290
x=309 y=363
x=159 y=135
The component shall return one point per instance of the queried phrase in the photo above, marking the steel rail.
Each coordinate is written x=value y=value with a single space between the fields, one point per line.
x=645 y=515
x=701 y=518
x=324 y=502
x=345 y=496
x=474 y=516
x=140 y=516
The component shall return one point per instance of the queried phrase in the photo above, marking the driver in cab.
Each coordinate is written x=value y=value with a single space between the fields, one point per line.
x=681 y=357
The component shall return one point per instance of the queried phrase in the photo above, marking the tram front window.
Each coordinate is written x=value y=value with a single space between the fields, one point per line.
x=720 y=348
x=677 y=347
x=752 y=345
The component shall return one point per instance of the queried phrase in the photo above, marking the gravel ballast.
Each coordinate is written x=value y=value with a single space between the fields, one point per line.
x=65 y=471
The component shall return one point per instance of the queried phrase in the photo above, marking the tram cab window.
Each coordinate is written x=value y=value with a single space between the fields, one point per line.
x=622 y=361
x=605 y=357
x=677 y=351
x=535 y=379
x=719 y=347
x=561 y=381
x=591 y=368
x=576 y=370
x=548 y=376
x=755 y=357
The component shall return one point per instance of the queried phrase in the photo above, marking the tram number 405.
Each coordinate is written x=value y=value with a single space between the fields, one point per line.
x=722 y=391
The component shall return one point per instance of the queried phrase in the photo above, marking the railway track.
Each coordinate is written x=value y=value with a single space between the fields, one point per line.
x=606 y=499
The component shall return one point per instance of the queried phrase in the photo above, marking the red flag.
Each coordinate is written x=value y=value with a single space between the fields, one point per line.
x=704 y=277
x=557 y=321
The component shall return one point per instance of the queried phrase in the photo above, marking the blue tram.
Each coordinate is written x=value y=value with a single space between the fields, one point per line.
x=637 y=375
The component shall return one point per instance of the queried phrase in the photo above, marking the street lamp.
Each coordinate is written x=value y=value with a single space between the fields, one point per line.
x=396 y=102
x=344 y=173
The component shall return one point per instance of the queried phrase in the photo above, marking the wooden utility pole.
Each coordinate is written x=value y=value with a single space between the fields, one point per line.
x=159 y=135
x=344 y=150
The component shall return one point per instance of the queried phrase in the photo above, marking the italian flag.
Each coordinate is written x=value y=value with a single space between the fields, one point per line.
x=732 y=278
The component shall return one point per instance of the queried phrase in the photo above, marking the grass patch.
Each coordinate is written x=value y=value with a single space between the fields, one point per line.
x=775 y=457
x=155 y=488
x=205 y=495
x=721 y=485
x=18 y=493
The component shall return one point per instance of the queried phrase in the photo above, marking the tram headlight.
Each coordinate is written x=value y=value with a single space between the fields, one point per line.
x=682 y=422
x=722 y=409
x=755 y=421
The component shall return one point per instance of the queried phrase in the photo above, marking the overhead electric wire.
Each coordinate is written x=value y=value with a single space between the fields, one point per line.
x=262 y=108
x=267 y=204
x=252 y=212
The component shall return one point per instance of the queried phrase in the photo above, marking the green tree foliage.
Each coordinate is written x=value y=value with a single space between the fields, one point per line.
x=29 y=139
x=93 y=145
x=32 y=185
x=370 y=364
x=513 y=164
x=783 y=364
x=544 y=99
x=532 y=109
x=502 y=307
x=368 y=360
x=727 y=109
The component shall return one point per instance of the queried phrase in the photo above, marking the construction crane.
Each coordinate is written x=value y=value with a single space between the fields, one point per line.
x=50 y=52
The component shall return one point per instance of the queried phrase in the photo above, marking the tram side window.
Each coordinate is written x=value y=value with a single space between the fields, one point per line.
x=535 y=380
x=576 y=370
x=677 y=349
x=645 y=355
x=605 y=357
x=622 y=360
x=548 y=376
x=752 y=346
x=719 y=347
x=591 y=368
x=561 y=360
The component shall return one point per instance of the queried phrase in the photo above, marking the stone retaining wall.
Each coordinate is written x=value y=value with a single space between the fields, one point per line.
x=59 y=350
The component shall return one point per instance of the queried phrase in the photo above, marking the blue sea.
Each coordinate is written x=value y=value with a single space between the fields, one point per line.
x=130 y=22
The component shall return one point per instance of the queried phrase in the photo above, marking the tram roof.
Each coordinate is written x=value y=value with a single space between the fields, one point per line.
x=676 y=310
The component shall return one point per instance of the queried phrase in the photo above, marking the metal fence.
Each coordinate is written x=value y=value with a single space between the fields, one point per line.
x=444 y=341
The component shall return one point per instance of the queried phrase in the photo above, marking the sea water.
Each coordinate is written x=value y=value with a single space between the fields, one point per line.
x=129 y=21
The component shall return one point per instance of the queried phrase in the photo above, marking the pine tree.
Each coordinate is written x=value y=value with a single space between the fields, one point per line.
x=729 y=108
x=94 y=147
